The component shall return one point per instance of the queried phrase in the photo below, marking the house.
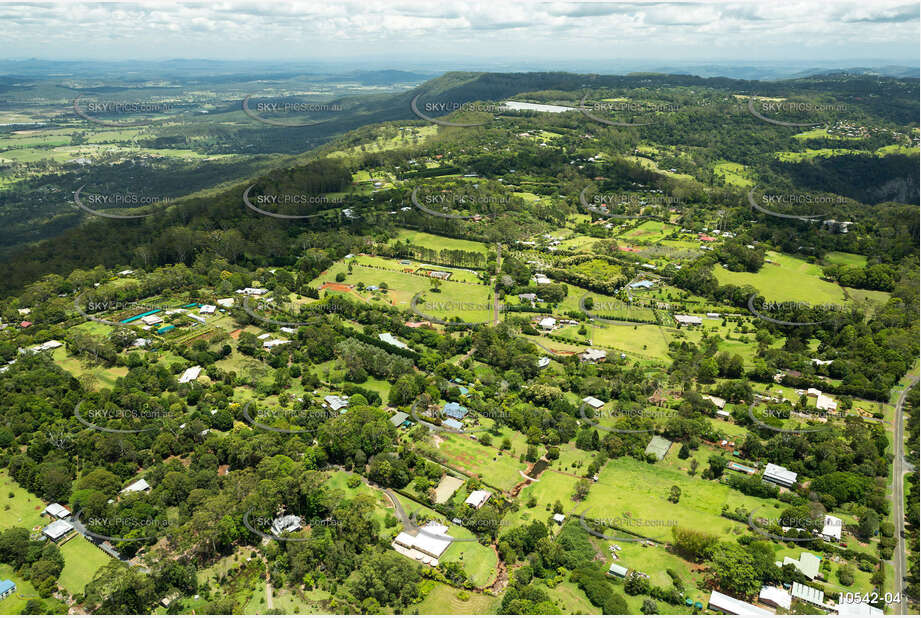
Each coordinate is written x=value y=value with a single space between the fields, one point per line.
x=57 y=530
x=140 y=342
x=7 y=587
x=426 y=544
x=207 y=309
x=618 y=570
x=779 y=475
x=542 y=279
x=139 y=485
x=453 y=424
x=542 y=362
x=478 y=498
x=530 y=297
x=197 y=318
x=593 y=402
x=391 y=340
x=808 y=594
x=273 y=343
x=775 y=597
x=826 y=404
x=336 y=403
x=812 y=392
x=734 y=607
x=645 y=284
x=592 y=355
x=547 y=323
x=398 y=419
x=439 y=274
x=151 y=320
x=559 y=518
x=808 y=564
x=286 y=523
x=688 y=320
x=831 y=529
x=719 y=402
x=48 y=345
x=252 y=291
x=453 y=409
x=56 y=511
x=227 y=303
x=189 y=375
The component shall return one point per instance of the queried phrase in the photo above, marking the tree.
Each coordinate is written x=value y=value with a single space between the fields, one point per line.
x=649 y=607
x=734 y=568
x=869 y=525
x=717 y=465
x=583 y=486
x=685 y=452
x=674 y=494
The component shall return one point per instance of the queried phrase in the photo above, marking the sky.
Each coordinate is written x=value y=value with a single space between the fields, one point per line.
x=495 y=33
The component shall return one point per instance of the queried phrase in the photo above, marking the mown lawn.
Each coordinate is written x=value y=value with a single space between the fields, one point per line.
x=472 y=458
x=437 y=243
x=81 y=561
x=787 y=279
x=634 y=495
x=21 y=509
x=443 y=599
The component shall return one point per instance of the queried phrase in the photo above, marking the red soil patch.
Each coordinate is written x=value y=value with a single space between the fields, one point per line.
x=235 y=334
x=338 y=287
x=222 y=470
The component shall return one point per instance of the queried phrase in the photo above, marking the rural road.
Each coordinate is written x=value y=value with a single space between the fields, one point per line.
x=495 y=292
x=898 y=498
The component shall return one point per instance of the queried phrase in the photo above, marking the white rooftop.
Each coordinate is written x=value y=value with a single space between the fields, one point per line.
x=593 y=401
x=832 y=527
x=730 y=605
x=779 y=473
x=190 y=374
x=478 y=498
x=139 y=485
x=388 y=338
x=57 y=529
x=57 y=510
x=777 y=596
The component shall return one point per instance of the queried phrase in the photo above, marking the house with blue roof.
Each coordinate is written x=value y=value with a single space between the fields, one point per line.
x=453 y=424
x=7 y=587
x=453 y=409
x=463 y=390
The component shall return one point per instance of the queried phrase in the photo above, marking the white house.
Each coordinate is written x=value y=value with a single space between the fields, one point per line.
x=478 y=498
x=547 y=323
x=252 y=291
x=778 y=597
x=56 y=511
x=150 y=320
x=390 y=339
x=427 y=544
x=227 y=303
x=189 y=375
x=207 y=309
x=138 y=485
x=778 y=475
x=831 y=529
x=57 y=530
x=729 y=605
x=593 y=402
x=592 y=355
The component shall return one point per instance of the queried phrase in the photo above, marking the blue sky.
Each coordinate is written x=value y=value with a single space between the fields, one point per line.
x=455 y=34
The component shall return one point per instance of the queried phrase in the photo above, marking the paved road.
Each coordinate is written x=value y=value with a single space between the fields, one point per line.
x=898 y=498
x=495 y=292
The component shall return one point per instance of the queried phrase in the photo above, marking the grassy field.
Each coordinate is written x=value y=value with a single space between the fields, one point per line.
x=846 y=259
x=787 y=279
x=634 y=494
x=733 y=173
x=443 y=599
x=552 y=486
x=21 y=509
x=570 y=598
x=81 y=561
x=431 y=241
x=643 y=340
x=105 y=376
x=457 y=274
x=467 y=301
x=474 y=459
x=648 y=231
